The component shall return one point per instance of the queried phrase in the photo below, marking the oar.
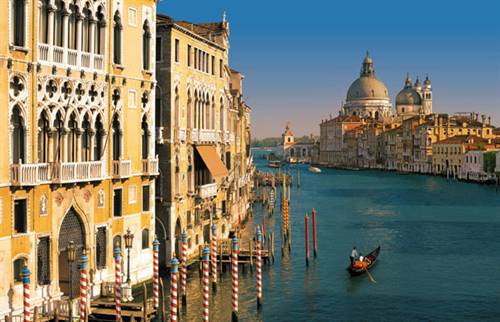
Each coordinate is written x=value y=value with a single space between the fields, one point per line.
x=370 y=276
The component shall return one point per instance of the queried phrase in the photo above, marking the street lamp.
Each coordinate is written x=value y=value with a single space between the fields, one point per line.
x=129 y=237
x=71 y=249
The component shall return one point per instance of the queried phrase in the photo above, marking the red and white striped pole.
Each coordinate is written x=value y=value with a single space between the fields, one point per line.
x=206 y=290
x=83 y=285
x=118 y=283
x=259 y=268
x=173 y=289
x=213 y=257
x=26 y=294
x=184 y=267
x=156 y=273
x=234 y=272
x=307 y=238
x=315 y=241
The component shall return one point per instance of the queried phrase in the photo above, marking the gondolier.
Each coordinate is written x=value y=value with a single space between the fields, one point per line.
x=354 y=255
x=361 y=266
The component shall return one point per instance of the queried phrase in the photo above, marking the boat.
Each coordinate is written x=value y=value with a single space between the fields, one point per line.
x=274 y=164
x=372 y=257
x=314 y=169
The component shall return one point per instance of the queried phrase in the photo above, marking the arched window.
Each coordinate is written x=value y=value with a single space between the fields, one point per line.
x=86 y=139
x=43 y=138
x=146 y=40
x=145 y=138
x=18 y=136
x=177 y=177
x=59 y=23
x=176 y=109
x=117 y=39
x=100 y=32
x=212 y=120
x=72 y=138
x=189 y=110
x=19 y=22
x=72 y=32
x=58 y=137
x=145 y=238
x=18 y=269
x=158 y=107
x=87 y=17
x=195 y=110
x=117 y=136
x=222 y=125
x=99 y=138
x=44 y=21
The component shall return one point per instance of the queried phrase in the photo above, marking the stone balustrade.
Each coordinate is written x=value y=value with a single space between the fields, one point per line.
x=207 y=190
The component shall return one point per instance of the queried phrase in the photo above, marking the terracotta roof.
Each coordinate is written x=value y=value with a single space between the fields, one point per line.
x=202 y=29
x=462 y=139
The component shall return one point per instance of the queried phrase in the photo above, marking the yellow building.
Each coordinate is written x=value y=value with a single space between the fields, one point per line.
x=76 y=90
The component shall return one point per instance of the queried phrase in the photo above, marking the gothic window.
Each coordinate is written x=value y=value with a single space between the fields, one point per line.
x=59 y=23
x=189 y=110
x=117 y=203
x=158 y=107
x=213 y=113
x=100 y=32
x=86 y=28
x=99 y=138
x=18 y=269
x=18 y=136
x=145 y=198
x=145 y=138
x=213 y=65
x=176 y=108
x=221 y=125
x=18 y=22
x=44 y=21
x=145 y=238
x=146 y=40
x=72 y=138
x=43 y=261
x=100 y=249
x=116 y=138
x=117 y=39
x=221 y=66
x=176 y=52
x=73 y=21
x=20 y=216
x=196 y=58
x=189 y=55
x=58 y=137
x=86 y=139
x=43 y=138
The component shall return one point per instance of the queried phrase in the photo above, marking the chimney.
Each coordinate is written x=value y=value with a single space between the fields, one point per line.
x=483 y=119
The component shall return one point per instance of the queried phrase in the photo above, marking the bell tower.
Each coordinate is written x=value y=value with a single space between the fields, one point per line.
x=288 y=137
x=427 y=96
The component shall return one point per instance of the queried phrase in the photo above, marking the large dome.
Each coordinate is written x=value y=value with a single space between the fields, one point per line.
x=367 y=87
x=408 y=96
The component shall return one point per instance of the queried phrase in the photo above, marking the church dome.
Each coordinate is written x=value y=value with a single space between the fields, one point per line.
x=408 y=96
x=367 y=86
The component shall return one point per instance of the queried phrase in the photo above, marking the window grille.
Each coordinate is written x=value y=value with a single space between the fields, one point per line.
x=43 y=263
x=145 y=239
x=100 y=251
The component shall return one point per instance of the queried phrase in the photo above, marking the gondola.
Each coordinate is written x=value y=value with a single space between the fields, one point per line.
x=373 y=259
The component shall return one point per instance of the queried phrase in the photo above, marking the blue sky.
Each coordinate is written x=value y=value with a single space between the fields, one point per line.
x=299 y=57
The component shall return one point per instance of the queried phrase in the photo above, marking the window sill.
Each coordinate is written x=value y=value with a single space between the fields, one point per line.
x=147 y=72
x=25 y=50
x=118 y=66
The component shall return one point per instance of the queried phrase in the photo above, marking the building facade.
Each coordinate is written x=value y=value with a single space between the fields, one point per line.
x=73 y=169
x=201 y=135
x=297 y=151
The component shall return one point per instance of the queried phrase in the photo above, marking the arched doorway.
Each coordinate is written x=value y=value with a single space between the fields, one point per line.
x=161 y=235
x=72 y=229
x=178 y=231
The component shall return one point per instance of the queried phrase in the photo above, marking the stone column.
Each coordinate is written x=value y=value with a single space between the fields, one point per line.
x=65 y=30
x=92 y=29
x=92 y=142
x=79 y=31
x=50 y=27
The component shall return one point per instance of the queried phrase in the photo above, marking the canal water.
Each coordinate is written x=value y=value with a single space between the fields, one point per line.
x=439 y=259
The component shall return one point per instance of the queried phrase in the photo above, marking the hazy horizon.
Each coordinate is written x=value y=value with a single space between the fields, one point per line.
x=300 y=60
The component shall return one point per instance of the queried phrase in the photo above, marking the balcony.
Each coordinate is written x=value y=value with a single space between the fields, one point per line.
x=29 y=174
x=180 y=135
x=208 y=136
x=121 y=169
x=150 y=167
x=207 y=190
x=226 y=137
x=67 y=172
x=194 y=135
x=70 y=57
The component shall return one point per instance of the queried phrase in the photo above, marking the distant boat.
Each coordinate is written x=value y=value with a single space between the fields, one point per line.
x=274 y=164
x=371 y=259
x=314 y=169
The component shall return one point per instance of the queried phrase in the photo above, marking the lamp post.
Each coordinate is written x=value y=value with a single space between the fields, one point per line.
x=129 y=237
x=71 y=249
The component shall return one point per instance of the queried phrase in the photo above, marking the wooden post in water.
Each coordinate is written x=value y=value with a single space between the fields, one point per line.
x=213 y=256
x=307 y=238
x=258 y=264
x=184 y=267
x=234 y=272
x=83 y=285
x=298 y=178
x=118 y=283
x=145 y=302
x=173 y=289
x=315 y=241
x=263 y=220
x=156 y=273
x=162 y=292
x=206 y=290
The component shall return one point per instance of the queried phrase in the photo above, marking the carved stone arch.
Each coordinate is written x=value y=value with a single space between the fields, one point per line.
x=18 y=86
x=69 y=112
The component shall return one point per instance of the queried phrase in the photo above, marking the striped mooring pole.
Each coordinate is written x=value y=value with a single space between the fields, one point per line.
x=258 y=263
x=26 y=294
x=213 y=257
x=173 y=288
x=156 y=273
x=307 y=238
x=315 y=241
x=206 y=289
x=83 y=285
x=118 y=283
x=183 y=266
x=234 y=272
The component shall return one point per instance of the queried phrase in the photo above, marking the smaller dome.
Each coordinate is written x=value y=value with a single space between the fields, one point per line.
x=408 y=96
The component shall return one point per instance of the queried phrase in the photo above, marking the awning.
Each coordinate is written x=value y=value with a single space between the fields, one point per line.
x=212 y=160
